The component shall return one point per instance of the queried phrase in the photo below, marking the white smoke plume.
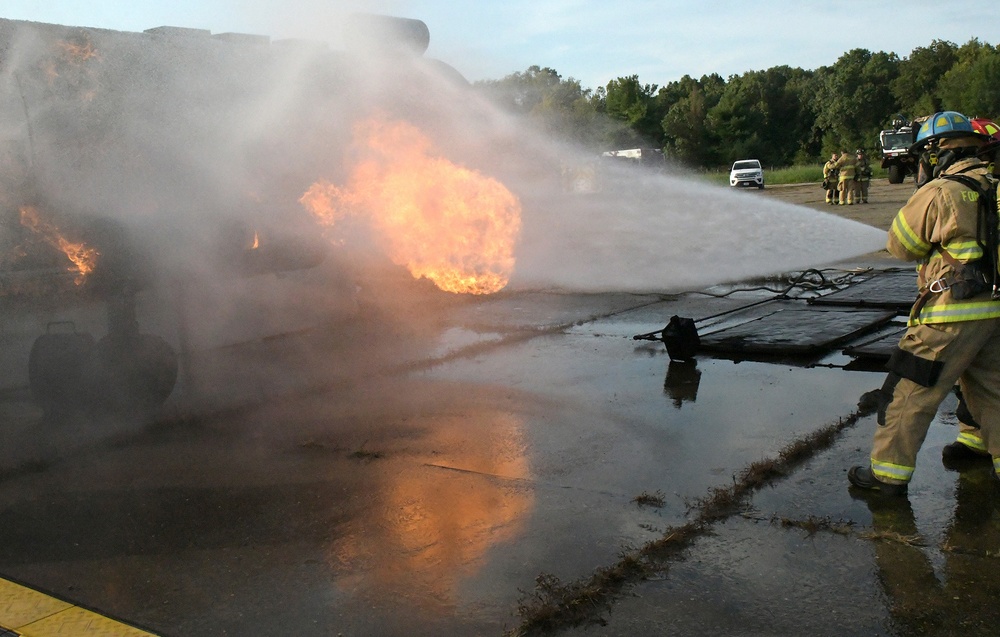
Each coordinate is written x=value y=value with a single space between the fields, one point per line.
x=192 y=150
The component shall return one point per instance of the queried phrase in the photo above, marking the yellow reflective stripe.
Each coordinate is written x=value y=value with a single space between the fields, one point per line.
x=889 y=471
x=957 y=312
x=996 y=465
x=907 y=237
x=963 y=250
x=972 y=441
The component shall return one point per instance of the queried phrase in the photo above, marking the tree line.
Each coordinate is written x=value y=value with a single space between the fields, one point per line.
x=783 y=116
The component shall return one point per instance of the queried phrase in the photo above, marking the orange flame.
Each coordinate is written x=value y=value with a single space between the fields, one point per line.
x=71 y=59
x=452 y=225
x=83 y=258
x=78 y=53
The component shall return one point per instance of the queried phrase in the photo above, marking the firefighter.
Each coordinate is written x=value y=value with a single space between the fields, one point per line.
x=969 y=445
x=953 y=331
x=862 y=177
x=830 y=179
x=845 y=178
x=991 y=130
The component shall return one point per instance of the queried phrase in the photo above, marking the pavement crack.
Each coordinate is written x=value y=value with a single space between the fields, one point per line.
x=553 y=605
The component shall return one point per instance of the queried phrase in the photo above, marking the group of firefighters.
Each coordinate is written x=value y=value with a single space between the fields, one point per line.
x=949 y=226
x=846 y=178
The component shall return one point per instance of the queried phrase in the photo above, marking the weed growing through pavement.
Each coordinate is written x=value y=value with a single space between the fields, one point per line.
x=813 y=525
x=655 y=499
x=555 y=605
x=364 y=454
x=361 y=454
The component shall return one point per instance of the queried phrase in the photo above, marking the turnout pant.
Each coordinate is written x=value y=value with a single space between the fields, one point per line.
x=861 y=191
x=846 y=188
x=969 y=351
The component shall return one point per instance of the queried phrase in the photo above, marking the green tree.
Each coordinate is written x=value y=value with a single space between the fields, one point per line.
x=855 y=98
x=781 y=115
x=761 y=114
x=686 y=103
x=626 y=100
x=916 y=87
x=737 y=121
x=562 y=107
x=972 y=85
x=536 y=89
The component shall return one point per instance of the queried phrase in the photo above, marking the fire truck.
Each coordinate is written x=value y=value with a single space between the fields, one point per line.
x=895 y=143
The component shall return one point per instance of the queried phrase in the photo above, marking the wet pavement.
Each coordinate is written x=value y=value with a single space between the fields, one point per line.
x=421 y=481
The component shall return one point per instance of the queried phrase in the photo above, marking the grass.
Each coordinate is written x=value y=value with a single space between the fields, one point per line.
x=556 y=605
x=361 y=454
x=812 y=173
x=656 y=499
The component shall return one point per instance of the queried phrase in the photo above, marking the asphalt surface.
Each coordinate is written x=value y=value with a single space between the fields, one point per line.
x=423 y=480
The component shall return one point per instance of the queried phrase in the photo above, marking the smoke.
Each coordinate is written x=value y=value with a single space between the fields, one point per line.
x=183 y=157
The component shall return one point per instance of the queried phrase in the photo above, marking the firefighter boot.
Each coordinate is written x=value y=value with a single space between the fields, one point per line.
x=959 y=457
x=863 y=478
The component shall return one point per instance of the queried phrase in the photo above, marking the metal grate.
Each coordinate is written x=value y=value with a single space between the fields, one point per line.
x=889 y=290
x=796 y=331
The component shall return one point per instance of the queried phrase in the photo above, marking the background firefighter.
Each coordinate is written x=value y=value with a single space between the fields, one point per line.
x=845 y=180
x=862 y=177
x=953 y=332
x=830 y=174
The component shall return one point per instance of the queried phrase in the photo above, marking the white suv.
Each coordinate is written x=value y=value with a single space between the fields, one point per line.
x=747 y=172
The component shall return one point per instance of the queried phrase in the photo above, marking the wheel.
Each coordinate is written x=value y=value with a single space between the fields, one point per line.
x=136 y=372
x=55 y=369
x=896 y=174
x=760 y=187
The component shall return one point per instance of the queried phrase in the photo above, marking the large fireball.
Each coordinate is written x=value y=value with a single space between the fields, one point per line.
x=452 y=225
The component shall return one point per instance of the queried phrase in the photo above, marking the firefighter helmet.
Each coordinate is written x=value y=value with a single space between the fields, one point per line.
x=988 y=130
x=941 y=126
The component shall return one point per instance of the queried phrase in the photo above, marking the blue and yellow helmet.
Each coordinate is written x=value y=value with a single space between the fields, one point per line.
x=940 y=126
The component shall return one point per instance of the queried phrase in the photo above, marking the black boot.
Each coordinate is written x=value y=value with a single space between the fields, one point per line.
x=863 y=478
x=958 y=457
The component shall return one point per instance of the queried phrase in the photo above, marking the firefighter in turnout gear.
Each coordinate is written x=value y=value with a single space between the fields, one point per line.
x=830 y=174
x=949 y=226
x=862 y=177
x=845 y=179
x=969 y=445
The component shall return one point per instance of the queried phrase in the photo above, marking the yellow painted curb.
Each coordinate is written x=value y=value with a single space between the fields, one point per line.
x=30 y=613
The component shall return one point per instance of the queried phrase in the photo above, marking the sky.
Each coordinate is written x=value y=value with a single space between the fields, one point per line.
x=593 y=41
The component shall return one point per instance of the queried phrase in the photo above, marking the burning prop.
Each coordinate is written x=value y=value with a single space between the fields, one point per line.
x=126 y=371
x=82 y=257
x=452 y=225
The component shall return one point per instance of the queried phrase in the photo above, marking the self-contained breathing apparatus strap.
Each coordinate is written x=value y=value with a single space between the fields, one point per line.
x=966 y=280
